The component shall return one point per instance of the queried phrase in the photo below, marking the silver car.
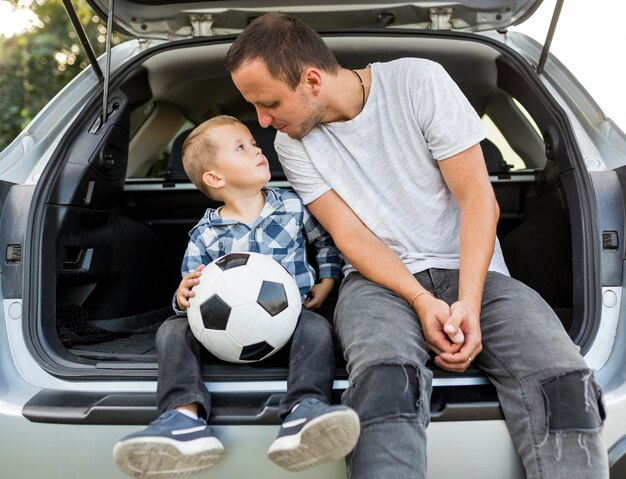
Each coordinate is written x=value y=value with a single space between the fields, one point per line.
x=96 y=209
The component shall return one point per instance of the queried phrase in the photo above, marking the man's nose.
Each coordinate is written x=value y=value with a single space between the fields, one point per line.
x=265 y=119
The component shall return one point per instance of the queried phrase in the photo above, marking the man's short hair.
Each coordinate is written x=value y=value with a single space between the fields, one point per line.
x=285 y=44
x=200 y=150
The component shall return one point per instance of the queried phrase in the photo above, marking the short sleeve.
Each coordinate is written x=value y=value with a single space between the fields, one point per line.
x=447 y=119
x=299 y=169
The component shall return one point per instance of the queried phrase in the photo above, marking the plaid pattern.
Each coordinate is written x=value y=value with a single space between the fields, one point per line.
x=277 y=232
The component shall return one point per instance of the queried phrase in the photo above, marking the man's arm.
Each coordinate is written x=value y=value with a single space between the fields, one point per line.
x=378 y=263
x=466 y=176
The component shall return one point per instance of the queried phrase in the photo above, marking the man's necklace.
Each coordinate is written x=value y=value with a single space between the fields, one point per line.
x=362 y=90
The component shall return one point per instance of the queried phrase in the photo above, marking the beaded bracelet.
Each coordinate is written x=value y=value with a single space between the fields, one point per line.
x=417 y=295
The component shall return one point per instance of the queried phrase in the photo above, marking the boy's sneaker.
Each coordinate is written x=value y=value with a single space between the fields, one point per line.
x=313 y=434
x=172 y=445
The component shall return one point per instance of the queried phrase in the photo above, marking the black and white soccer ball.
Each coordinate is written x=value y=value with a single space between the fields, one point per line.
x=245 y=307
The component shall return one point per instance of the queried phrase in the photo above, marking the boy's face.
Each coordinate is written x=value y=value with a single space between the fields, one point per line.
x=292 y=112
x=239 y=161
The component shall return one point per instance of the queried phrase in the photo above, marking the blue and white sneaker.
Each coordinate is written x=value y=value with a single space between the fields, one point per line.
x=172 y=445
x=313 y=434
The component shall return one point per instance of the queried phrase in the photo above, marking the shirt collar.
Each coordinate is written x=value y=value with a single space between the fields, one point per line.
x=272 y=203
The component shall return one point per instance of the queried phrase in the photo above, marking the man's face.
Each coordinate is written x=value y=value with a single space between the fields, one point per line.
x=292 y=112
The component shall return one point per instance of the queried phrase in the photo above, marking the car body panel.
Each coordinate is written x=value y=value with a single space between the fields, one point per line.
x=246 y=448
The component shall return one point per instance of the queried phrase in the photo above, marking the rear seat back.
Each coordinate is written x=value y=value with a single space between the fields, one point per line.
x=175 y=171
x=265 y=140
x=493 y=158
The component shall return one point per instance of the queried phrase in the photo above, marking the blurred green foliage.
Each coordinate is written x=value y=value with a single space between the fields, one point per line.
x=37 y=64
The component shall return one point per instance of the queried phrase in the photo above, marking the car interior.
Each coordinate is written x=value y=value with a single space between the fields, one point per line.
x=118 y=206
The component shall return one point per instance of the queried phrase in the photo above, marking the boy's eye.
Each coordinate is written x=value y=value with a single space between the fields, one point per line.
x=240 y=147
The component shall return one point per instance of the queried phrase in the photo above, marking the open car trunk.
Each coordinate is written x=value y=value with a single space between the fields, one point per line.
x=115 y=212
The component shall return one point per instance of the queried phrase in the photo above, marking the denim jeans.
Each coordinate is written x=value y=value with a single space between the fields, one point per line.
x=551 y=403
x=311 y=365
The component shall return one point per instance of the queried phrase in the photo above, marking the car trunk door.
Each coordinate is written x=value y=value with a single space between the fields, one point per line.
x=184 y=19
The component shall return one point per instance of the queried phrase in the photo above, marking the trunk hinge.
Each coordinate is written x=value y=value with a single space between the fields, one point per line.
x=546 y=47
x=202 y=24
x=104 y=78
x=107 y=68
x=440 y=18
x=69 y=8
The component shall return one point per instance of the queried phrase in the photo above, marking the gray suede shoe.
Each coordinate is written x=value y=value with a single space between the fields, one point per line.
x=313 y=434
x=172 y=445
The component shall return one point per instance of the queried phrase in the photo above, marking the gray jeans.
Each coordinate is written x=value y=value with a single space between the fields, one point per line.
x=552 y=405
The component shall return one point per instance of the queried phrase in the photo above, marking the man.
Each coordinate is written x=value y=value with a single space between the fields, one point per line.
x=387 y=159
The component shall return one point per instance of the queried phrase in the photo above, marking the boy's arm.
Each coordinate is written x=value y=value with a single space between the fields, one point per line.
x=318 y=294
x=196 y=255
x=184 y=292
x=327 y=255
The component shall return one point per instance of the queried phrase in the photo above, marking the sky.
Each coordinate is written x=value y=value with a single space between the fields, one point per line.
x=589 y=40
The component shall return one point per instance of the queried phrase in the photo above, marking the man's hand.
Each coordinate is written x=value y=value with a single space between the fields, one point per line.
x=463 y=323
x=318 y=294
x=453 y=332
x=184 y=292
x=433 y=314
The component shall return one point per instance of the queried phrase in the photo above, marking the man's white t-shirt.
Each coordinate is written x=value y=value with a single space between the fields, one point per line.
x=383 y=162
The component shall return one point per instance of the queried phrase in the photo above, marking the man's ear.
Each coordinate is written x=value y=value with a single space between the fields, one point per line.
x=312 y=79
x=213 y=179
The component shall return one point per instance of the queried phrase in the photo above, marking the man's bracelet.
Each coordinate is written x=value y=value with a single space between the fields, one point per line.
x=417 y=295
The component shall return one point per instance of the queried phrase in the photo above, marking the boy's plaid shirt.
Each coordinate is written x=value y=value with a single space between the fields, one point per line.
x=277 y=232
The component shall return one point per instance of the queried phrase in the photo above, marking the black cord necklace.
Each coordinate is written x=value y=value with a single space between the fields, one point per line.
x=362 y=90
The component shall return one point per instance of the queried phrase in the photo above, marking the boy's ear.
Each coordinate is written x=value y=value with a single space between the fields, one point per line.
x=213 y=179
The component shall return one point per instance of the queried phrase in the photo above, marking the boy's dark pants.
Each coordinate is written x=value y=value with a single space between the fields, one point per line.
x=311 y=365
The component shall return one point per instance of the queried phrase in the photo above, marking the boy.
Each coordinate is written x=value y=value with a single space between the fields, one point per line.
x=221 y=158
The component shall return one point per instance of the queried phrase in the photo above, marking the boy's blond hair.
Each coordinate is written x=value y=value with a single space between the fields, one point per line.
x=200 y=150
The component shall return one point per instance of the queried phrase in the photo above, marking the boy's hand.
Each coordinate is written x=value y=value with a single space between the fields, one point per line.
x=318 y=294
x=183 y=293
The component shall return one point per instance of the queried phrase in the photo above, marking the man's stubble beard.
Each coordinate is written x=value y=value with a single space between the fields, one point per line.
x=315 y=117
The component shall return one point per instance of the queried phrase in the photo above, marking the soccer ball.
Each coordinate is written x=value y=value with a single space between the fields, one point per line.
x=245 y=307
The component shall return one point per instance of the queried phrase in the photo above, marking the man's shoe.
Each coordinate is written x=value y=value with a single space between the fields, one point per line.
x=172 y=445
x=313 y=434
